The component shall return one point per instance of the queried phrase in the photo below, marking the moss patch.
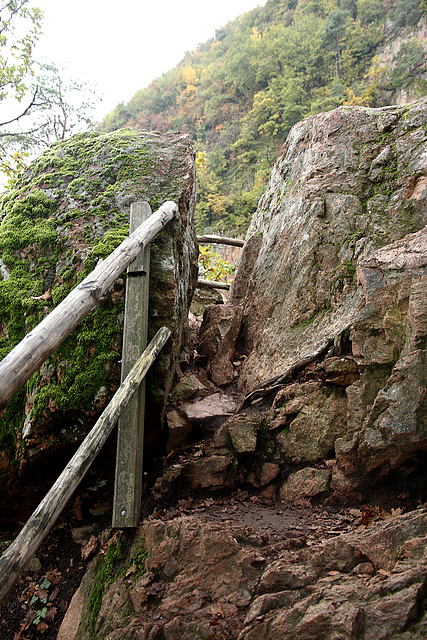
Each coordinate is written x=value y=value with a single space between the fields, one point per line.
x=105 y=576
x=69 y=210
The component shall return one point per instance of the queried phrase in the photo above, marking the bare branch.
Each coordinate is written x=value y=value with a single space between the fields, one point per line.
x=24 y=113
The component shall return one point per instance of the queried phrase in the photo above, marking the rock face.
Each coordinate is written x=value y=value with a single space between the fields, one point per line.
x=219 y=333
x=211 y=575
x=347 y=183
x=332 y=283
x=70 y=210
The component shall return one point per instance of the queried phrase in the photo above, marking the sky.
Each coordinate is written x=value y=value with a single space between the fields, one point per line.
x=122 y=46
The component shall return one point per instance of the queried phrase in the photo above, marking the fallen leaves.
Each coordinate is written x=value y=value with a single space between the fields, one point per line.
x=37 y=600
x=90 y=548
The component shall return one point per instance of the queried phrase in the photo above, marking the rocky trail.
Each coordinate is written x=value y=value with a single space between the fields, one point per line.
x=242 y=523
x=285 y=492
x=221 y=559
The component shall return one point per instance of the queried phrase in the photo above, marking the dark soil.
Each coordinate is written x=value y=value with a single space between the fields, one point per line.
x=55 y=573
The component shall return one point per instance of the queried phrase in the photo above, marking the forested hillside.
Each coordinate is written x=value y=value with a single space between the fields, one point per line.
x=239 y=94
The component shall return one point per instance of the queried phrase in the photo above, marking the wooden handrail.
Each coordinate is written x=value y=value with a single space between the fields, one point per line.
x=234 y=242
x=213 y=285
x=40 y=523
x=28 y=356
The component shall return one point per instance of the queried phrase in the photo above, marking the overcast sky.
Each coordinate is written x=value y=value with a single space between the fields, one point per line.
x=121 y=46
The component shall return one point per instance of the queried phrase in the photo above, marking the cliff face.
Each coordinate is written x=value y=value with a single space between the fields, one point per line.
x=399 y=62
x=348 y=182
x=333 y=272
x=70 y=210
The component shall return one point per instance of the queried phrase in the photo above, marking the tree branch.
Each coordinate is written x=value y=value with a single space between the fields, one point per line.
x=24 y=113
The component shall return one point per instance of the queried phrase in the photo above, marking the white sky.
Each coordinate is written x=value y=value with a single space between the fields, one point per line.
x=122 y=46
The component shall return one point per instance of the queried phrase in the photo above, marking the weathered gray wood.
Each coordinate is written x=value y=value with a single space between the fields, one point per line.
x=213 y=285
x=130 y=439
x=38 y=526
x=27 y=357
x=234 y=242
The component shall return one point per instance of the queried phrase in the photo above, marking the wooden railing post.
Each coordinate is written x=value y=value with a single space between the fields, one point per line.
x=130 y=438
x=44 y=517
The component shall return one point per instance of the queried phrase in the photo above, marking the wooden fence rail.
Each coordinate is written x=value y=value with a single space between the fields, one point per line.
x=40 y=523
x=28 y=356
x=234 y=242
x=213 y=284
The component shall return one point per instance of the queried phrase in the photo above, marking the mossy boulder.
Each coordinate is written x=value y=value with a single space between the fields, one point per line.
x=68 y=211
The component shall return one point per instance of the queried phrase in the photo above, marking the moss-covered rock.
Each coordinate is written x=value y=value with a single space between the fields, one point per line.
x=68 y=211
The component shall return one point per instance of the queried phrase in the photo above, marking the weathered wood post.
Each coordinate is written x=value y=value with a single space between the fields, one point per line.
x=44 y=517
x=130 y=438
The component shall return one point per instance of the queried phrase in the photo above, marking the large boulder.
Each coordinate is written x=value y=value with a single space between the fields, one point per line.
x=334 y=271
x=347 y=183
x=70 y=210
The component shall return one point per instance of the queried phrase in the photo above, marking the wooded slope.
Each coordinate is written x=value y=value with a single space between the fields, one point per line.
x=239 y=93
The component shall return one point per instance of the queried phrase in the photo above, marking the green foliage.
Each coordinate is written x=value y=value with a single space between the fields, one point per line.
x=46 y=107
x=215 y=267
x=20 y=27
x=407 y=13
x=19 y=31
x=239 y=94
x=409 y=61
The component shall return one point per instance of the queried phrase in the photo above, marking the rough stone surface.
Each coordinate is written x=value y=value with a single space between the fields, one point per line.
x=243 y=433
x=204 y=297
x=187 y=388
x=295 y=279
x=312 y=417
x=332 y=283
x=216 y=405
x=179 y=430
x=303 y=484
x=70 y=210
x=219 y=332
x=212 y=576
x=387 y=408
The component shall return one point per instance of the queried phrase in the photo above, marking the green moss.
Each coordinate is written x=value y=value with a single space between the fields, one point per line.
x=111 y=240
x=105 y=576
x=94 y=178
x=26 y=222
x=136 y=561
x=11 y=423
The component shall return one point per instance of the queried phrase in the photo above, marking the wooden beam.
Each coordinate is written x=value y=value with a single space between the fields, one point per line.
x=40 y=523
x=234 y=242
x=213 y=285
x=130 y=439
x=28 y=356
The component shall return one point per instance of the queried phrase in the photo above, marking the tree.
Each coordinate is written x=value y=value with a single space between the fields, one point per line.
x=37 y=105
x=19 y=31
x=335 y=30
x=56 y=110
x=16 y=60
x=407 y=12
x=410 y=61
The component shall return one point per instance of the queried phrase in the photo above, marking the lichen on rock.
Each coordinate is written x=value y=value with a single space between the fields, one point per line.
x=331 y=283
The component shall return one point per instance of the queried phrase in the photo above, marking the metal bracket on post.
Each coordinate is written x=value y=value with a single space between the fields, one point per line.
x=130 y=439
